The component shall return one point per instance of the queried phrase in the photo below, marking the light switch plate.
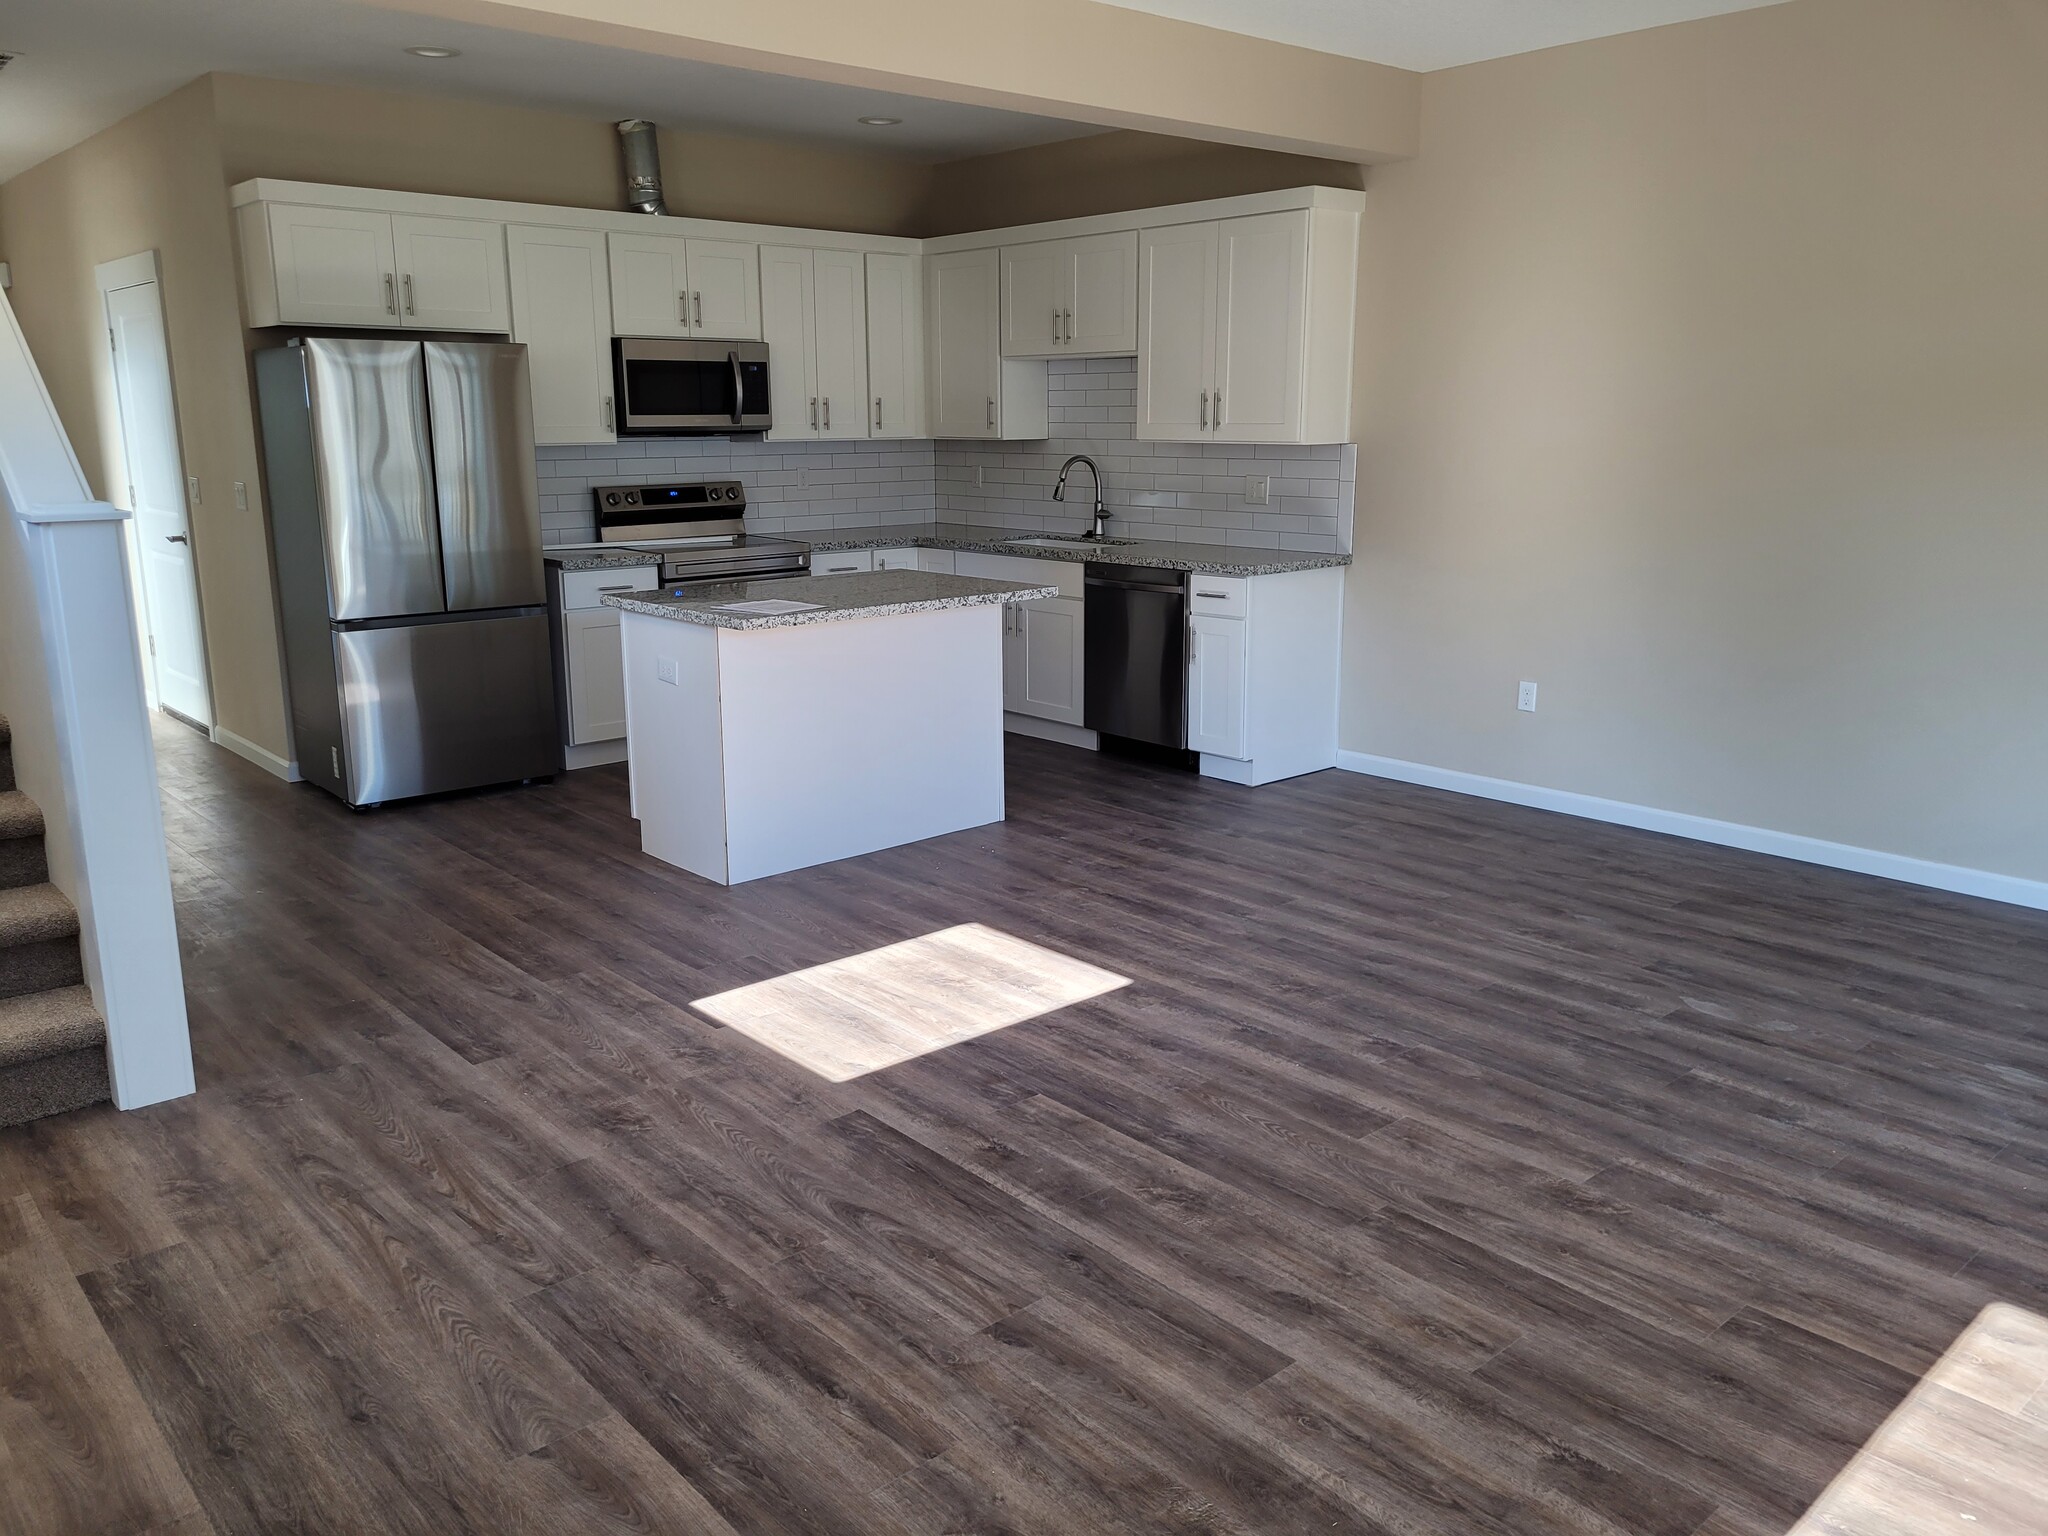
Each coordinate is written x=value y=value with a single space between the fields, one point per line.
x=1258 y=490
x=192 y=489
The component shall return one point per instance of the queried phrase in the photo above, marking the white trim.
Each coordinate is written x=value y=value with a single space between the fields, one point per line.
x=127 y=272
x=593 y=754
x=76 y=512
x=262 y=757
x=1288 y=200
x=1049 y=730
x=2010 y=889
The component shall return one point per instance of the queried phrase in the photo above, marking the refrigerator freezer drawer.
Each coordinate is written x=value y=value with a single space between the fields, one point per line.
x=449 y=705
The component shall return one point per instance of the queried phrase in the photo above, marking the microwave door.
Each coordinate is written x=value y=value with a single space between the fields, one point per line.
x=486 y=495
x=367 y=401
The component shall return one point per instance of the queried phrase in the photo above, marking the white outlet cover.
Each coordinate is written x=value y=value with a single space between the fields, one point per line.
x=1525 y=697
x=1258 y=489
x=664 y=669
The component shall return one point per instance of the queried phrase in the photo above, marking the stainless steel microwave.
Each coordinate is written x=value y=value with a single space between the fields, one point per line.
x=674 y=388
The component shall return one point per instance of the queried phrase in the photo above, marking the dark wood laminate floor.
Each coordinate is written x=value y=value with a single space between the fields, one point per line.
x=1446 y=1168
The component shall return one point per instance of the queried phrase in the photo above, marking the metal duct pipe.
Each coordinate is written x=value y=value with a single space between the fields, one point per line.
x=643 y=166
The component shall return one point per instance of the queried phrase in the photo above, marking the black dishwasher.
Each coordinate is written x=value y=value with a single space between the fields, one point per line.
x=1137 y=654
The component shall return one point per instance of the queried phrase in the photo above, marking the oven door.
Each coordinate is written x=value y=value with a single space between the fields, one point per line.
x=671 y=387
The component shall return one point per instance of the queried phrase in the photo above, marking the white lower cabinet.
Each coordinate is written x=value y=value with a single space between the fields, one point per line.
x=842 y=562
x=593 y=678
x=1216 y=679
x=1044 y=661
x=941 y=560
x=896 y=560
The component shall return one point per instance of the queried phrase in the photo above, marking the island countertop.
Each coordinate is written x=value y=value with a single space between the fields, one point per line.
x=868 y=595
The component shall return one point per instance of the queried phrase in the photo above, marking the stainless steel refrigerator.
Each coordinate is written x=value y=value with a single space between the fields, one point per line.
x=405 y=521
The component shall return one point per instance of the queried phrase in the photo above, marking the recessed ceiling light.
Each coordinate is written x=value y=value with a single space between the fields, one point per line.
x=879 y=122
x=435 y=53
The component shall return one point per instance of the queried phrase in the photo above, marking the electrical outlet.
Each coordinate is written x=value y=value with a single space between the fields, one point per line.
x=241 y=495
x=192 y=489
x=803 y=479
x=1258 y=489
x=665 y=670
x=1525 y=698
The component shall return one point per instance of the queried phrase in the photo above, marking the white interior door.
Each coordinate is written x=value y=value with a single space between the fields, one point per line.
x=156 y=494
x=841 y=289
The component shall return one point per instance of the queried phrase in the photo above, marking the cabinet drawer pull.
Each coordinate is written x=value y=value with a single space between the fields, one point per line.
x=410 y=309
x=697 y=303
x=682 y=308
x=622 y=587
x=1205 y=410
x=991 y=413
x=1067 y=326
x=878 y=413
x=1218 y=595
x=1219 y=410
x=828 y=413
x=390 y=295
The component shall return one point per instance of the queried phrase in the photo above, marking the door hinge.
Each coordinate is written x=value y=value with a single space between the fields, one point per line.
x=112 y=345
x=152 y=645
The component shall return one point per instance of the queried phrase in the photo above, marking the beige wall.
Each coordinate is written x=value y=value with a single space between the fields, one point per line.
x=1108 y=173
x=1705 y=381
x=153 y=181
x=441 y=144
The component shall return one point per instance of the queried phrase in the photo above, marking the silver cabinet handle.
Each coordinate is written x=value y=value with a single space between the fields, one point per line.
x=628 y=587
x=814 y=413
x=608 y=413
x=878 y=413
x=1219 y=410
x=828 y=413
x=176 y=538
x=1205 y=410
x=991 y=413
x=1218 y=595
x=697 y=303
x=390 y=295
x=1055 y=325
x=1068 y=316
x=682 y=308
x=409 y=308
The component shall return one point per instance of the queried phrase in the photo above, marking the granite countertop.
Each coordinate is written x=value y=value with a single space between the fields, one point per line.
x=599 y=559
x=1207 y=559
x=870 y=595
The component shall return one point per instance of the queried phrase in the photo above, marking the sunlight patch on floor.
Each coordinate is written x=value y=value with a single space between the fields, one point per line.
x=1966 y=1451
x=854 y=1016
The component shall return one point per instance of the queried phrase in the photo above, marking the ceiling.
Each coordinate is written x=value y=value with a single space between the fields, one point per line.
x=1435 y=34
x=83 y=64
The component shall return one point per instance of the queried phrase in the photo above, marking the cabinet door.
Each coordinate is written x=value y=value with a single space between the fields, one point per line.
x=451 y=274
x=725 y=289
x=936 y=560
x=895 y=347
x=562 y=310
x=1261 y=326
x=335 y=266
x=1176 y=332
x=1051 y=660
x=597 y=675
x=789 y=326
x=896 y=560
x=1037 y=291
x=1216 y=686
x=842 y=562
x=963 y=338
x=840 y=286
x=650 y=285
x=1102 y=279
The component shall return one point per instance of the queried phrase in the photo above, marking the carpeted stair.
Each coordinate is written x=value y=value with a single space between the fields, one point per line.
x=53 y=1043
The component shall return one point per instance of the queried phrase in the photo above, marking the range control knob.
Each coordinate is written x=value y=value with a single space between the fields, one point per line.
x=611 y=498
x=718 y=493
x=632 y=498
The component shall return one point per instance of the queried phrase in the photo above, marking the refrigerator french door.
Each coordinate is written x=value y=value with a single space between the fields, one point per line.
x=405 y=519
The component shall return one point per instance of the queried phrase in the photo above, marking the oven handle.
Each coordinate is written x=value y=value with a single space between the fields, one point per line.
x=739 y=388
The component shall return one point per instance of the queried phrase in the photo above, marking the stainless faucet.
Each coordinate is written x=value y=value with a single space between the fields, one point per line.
x=1098 y=526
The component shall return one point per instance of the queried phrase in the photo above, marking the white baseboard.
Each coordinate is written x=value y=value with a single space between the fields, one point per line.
x=1049 y=730
x=594 y=754
x=262 y=757
x=1728 y=834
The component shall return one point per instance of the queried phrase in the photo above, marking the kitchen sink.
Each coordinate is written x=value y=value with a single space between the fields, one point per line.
x=1051 y=541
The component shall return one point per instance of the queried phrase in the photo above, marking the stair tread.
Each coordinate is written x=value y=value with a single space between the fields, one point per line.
x=40 y=1024
x=30 y=914
x=19 y=815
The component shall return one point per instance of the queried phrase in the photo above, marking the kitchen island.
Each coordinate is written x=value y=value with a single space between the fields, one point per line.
x=773 y=725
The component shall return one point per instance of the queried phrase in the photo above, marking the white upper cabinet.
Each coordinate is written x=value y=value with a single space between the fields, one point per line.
x=973 y=390
x=814 y=309
x=895 y=346
x=562 y=310
x=451 y=274
x=1245 y=329
x=1071 y=298
x=322 y=266
x=343 y=266
x=666 y=285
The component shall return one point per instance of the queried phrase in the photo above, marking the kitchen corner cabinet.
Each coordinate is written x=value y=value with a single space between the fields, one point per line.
x=1262 y=673
x=1071 y=298
x=343 y=266
x=814 y=309
x=669 y=285
x=973 y=390
x=1245 y=329
x=562 y=311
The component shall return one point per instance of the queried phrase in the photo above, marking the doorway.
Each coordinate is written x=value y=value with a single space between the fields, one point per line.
x=174 y=647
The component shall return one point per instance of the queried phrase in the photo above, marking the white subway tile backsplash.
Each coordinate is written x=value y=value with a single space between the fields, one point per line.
x=1185 y=491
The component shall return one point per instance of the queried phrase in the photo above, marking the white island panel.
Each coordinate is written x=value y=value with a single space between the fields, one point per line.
x=777 y=749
